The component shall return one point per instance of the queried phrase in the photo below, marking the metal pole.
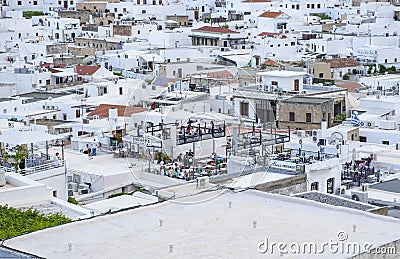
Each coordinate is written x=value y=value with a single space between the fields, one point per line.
x=149 y=160
x=62 y=149
x=47 y=150
x=194 y=153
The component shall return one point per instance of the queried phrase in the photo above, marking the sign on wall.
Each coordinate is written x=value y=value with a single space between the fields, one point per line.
x=283 y=165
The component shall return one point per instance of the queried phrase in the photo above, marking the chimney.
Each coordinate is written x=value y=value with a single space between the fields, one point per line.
x=112 y=118
x=324 y=125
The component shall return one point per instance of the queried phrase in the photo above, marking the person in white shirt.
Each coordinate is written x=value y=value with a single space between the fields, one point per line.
x=94 y=147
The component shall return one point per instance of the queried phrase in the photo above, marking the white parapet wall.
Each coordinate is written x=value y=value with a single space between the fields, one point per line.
x=21 y=190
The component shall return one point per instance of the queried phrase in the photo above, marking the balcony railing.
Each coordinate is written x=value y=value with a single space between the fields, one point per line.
x=36 y=169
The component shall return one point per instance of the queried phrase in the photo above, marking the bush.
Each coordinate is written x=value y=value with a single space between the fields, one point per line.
x=340 y=117
x=321 y=15
x=346 y=77
x=118 y=194
x=73 y=200
x=15 y=222
x=29 y=14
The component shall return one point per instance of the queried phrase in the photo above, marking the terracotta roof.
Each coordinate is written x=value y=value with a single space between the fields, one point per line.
x=86 y=70
x=220 y=74
x=53 y=65
x=270 y=63
x=123 y=111
x=350 y=86
x=342 y=62
x=215 y=29
x=256 y=1
x=52 y=70
x=270 y=14
x=268 y=34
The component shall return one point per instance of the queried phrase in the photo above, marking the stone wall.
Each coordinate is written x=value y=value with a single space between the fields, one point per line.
x=317 y=111
x=286 y=186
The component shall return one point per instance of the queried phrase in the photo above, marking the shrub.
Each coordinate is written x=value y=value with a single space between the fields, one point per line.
x=73 y=200
x=15 y=222
x=29 y=14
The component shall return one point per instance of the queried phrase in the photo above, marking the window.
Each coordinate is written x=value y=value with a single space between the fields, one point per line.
x=77 y=113
x=363 y=139
x=54 y=116
x=385 y=142
x=395 y=60
x=308 y=117
x=292 y=43
x=34 y=2
x=385 y=60
x=244 y=108
x=64 y=116
x=120 y=91
x=4 y=111
x=321 y=75
x=329 y=185
x=314 y=186
x=291 y=116
x=19 y=2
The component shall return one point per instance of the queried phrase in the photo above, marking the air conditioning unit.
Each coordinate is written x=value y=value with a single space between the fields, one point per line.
x=359 y=196
x=11 y=124
x=96 y=117
x=341 y=190
x=364 y=187
x=301 y=134
x=202 y=182
x=83 y=191
x=83 y=186
x=315 y=139
x=367 y=124
x=315 y=133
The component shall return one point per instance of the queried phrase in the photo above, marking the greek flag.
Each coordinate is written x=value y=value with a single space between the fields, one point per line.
x=354 y=119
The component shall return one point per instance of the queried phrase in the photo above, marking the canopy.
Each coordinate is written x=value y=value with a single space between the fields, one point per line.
x=16 y=137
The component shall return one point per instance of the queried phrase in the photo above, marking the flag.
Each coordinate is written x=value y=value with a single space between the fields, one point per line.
x=354 y=119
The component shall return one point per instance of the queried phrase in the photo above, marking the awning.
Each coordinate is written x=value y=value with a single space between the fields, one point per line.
x=16 y=137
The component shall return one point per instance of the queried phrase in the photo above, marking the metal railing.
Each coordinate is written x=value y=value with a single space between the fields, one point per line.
x=36 y=169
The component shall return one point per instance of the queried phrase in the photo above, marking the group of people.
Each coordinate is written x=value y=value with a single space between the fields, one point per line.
x=186 y=158
x=91 y=150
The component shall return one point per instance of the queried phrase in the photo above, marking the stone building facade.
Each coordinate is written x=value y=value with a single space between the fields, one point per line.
x=306 y=113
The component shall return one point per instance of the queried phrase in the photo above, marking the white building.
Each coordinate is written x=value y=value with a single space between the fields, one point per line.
x=286 y=81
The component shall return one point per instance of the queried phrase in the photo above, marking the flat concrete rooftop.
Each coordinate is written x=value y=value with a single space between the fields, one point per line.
x=209 y=228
